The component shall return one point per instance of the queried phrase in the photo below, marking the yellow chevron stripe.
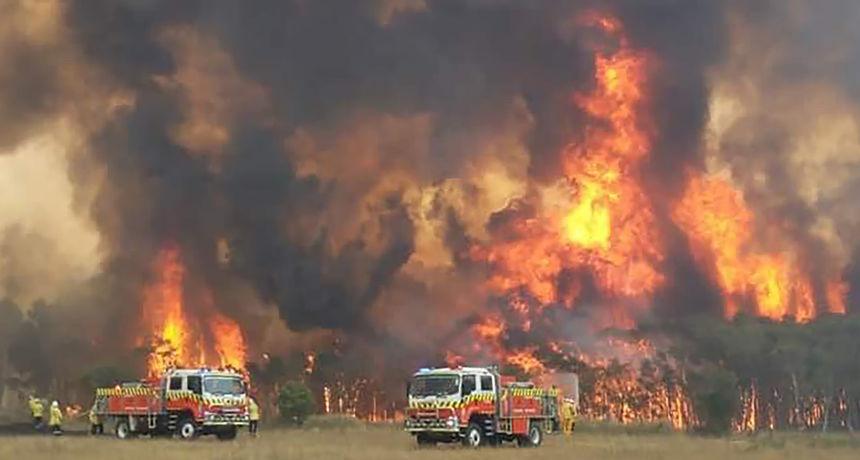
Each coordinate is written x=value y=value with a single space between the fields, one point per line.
x=175 y=395
x=533 y=392
x=476 y=397
x=124 y=391
x=172 y=395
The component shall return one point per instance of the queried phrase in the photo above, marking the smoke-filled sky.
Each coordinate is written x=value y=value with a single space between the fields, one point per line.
x=328 y=167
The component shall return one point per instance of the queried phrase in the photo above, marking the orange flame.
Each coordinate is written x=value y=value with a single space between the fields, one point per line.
x=310 y=362
x=489 y=330
x=836 y=292
x=163 y=305
x=598 y=224
x=718 y=224
x=526 y=360
x=608 y=228
x=176 y=339
x=229 y=342
x=453 y=359
x=73 y=410
x=612 y=226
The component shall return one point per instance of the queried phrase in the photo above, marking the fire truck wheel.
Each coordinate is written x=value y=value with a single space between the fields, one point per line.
x=187 y=429
x=425 y=440
x=226 y=434
x=534 y=438
x=474 y=436
x=123 y=431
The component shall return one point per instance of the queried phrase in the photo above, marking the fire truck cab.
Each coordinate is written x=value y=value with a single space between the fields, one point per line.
x=478 y=406
x=184 y=402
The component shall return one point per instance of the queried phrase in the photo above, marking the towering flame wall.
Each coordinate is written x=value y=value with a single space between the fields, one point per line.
x=179 y=336
x=605 y=232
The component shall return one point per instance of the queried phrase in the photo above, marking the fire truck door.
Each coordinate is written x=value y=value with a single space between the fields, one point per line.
x=173 y=383
x=194 y=384
x=487 y=386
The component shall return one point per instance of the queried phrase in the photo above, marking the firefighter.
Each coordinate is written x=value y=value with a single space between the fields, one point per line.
x=253 y=416
x=37 y=410
x=568 y=416
x=56 y=419
x=96 y=425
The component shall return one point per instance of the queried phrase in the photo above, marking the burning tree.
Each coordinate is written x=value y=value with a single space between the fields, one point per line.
x=178 y=338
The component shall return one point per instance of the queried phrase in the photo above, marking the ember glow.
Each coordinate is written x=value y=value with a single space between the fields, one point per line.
x=178 y=340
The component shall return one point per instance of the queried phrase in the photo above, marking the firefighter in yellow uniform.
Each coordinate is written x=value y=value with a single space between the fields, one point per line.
x=37 y=410
x=568 y=416
x=56 y=420
x=96 y=426
x=253 y=416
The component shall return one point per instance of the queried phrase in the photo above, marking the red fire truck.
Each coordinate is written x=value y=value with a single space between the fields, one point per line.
x=477 y=406
x=183 y=402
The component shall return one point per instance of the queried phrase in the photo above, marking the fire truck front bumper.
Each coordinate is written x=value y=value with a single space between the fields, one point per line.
x=438 y=425
x=224 y=419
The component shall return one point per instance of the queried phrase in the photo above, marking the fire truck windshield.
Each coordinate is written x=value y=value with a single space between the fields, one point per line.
x=222 y=386
x=434 y=385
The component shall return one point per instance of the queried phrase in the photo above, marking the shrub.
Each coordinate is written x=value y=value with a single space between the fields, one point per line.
x=296 y=403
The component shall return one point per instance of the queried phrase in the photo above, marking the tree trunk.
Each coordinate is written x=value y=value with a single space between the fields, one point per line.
x=797 y=410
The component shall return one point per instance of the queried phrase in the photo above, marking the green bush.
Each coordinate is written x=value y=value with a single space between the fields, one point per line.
x=296 y=403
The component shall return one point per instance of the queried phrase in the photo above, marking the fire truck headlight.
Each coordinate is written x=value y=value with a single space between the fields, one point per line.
x=451 y=422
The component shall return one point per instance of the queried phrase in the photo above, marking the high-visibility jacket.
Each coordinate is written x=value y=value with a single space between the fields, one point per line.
x=569 y=410
x=36 y=407
x=56 y=416
x=568 y=416
x=94 y=418
x=253 y=410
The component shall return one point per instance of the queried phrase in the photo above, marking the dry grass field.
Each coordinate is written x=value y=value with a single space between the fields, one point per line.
x=385 y=442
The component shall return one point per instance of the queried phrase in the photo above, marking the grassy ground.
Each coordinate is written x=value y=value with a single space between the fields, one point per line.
x=329 y=440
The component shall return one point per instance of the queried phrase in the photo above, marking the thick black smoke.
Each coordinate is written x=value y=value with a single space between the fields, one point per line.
x=320 y=62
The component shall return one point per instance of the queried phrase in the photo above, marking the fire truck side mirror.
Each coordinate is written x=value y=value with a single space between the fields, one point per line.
x=408 y=389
